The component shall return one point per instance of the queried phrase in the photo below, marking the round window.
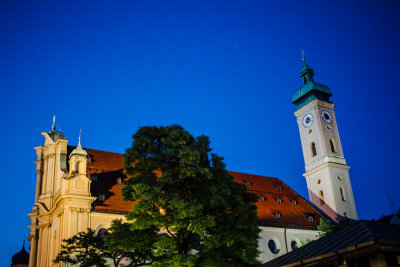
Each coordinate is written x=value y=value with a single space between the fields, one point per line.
x=272 y=246
x=293 y=244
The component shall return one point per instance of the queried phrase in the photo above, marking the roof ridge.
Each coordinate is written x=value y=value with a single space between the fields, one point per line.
x=255 y=175
x=98 y=150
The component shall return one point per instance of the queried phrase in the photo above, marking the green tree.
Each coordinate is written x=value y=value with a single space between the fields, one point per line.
x=85 y=249
x=127 y=243
x=328 y=226
x=88 y=249
x=203 y=217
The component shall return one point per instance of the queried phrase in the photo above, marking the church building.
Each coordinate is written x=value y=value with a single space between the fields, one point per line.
x=79 y=188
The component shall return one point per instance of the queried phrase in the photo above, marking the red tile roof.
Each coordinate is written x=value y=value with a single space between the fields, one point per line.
x=293 y=210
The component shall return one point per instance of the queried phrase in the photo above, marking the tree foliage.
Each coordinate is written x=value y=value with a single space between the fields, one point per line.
x=122 y=243
x=328 y=227
x=127 y=243
x=85 y=249
x=202 y=217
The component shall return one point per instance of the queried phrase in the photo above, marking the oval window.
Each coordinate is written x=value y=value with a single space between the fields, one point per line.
x=293 y=244
x=272 y=246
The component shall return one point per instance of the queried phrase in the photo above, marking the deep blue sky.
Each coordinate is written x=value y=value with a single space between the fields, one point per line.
x=226 y=69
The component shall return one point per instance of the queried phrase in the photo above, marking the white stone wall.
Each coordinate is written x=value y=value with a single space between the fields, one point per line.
x=283 y=238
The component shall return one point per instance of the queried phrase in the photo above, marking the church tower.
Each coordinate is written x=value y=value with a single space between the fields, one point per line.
x=327 y=174
x=62 y=201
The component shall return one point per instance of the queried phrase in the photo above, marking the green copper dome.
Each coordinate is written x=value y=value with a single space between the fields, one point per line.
x=310 y=90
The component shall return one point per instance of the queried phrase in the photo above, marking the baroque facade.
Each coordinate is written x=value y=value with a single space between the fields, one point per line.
x=80 y=188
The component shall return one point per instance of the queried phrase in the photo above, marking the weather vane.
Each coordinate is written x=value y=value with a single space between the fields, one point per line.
x=53 y=127
x=80 y=133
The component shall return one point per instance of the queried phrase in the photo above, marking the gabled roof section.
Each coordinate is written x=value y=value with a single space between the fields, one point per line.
x=362 y=237
x=294 y=211
x=277 y=197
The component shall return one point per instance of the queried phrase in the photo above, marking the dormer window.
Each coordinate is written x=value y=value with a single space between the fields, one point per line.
x=294 y=202
x=247 y=183
x=101 y=197
x=278 y=187
x=277 y=215
x=310 y=218
x=94 y=178
x=118 y=180
x=278 y=200
x=262 y=199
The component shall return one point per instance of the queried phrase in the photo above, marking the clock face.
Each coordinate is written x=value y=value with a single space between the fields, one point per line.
x=307 y=120
x=326 y=116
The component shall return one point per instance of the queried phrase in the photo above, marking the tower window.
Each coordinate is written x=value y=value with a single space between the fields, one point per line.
x=342 y=193
x=321 y=197
x=77 y=167
x=313 y=149
x=333 y=147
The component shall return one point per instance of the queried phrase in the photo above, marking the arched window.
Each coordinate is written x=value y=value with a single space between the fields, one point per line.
x=321 y=197
x=342 y=193
x=77 y=166
x=333 y=147
x=313 y=149
x=102 y=232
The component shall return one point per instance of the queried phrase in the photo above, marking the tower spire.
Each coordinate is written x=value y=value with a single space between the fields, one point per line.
x=79 y=142
x=306 y=73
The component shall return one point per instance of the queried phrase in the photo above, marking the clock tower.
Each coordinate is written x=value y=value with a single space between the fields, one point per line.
x=327 y=174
